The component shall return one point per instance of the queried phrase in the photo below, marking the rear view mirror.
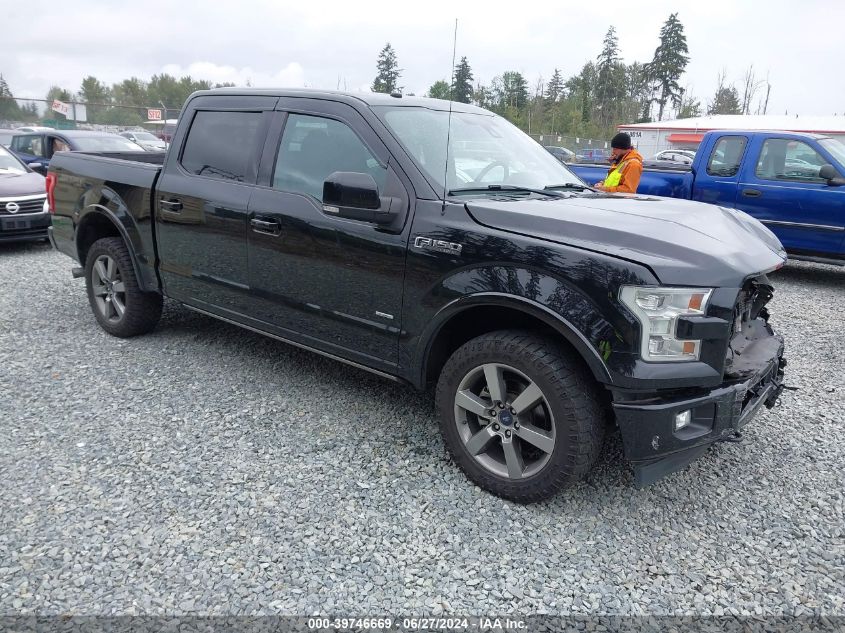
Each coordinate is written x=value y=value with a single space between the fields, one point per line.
x=829 y=173
x=39 y=168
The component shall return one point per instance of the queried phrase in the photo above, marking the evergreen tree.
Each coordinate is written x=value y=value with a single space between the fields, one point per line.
x=132 y=92
x=725 y=101
x=514 y=89
x=439 y=90
x=581 y=89
x=610 y=78
x=555 y=88
x=462 y=87
x=92 y=91
x=8 y=107
x=388 y=71
x=669 y=62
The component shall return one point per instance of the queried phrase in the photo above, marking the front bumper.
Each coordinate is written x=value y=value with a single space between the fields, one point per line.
x=647 y=424
x=24 y=227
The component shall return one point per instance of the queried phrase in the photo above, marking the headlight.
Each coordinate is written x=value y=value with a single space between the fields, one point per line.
x=658 y=309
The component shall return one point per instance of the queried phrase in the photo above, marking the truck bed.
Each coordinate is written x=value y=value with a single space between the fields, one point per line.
x=659 y=177
x=115 y=184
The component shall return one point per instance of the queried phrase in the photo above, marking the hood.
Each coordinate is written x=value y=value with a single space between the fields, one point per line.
x=682 y=242
x=27 y=184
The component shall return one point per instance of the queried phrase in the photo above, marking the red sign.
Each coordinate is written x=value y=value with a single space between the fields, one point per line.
x=153 y=115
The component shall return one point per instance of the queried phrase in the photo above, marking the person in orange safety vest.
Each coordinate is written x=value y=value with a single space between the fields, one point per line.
x=624 y=175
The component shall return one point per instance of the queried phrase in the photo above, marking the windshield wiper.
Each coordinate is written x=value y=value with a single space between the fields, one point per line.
x=570 y=185
x=515 y=188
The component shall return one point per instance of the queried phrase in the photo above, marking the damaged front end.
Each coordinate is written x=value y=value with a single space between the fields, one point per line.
x=665 y=430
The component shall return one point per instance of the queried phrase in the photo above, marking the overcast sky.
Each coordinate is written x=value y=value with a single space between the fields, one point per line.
x=797 y=43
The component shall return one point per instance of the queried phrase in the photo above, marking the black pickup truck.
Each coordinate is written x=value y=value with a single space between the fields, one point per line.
x=436 y=244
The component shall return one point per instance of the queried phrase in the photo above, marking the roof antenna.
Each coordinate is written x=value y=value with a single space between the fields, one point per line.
x=449 y=125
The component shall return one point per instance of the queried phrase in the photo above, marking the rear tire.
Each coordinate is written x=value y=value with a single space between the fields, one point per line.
x=119 y=305
x=548 y=426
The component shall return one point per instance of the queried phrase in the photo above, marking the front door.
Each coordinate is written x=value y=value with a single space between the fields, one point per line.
x=781 y=188
x=330 y=283
x=201 y=204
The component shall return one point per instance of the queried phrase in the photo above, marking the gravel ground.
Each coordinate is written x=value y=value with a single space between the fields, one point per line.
x=206 y=469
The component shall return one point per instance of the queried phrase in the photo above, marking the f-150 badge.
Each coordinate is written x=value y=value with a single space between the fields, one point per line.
x=441 y=246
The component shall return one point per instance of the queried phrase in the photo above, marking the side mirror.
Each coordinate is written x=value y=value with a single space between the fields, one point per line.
x=354 y=195
x=829 y=173
x=39 y=168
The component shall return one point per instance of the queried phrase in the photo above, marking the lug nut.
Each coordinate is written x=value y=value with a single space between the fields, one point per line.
x=513 y=410
x=493 y=412
x=507 y=433
x=495 y=427
x=501 y=405
x=516 y=425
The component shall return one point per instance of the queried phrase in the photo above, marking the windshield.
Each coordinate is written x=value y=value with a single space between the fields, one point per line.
x=105 y=144
x=483 y=149
x=9 y=164
x=835 y=148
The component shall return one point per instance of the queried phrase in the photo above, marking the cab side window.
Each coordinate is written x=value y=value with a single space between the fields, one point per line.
x=221 y=144
x=312 y=148
x=785 y=159
x=726 y=156
x=28 y=145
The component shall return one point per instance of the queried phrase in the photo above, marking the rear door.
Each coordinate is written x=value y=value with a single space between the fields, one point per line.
x=780 y=186
x=331 y=283
x=202 y=198
x=718 y=182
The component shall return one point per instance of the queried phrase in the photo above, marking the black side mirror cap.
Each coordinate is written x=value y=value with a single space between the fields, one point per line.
x=355 y=196
x=39 y=168
x=828 y=172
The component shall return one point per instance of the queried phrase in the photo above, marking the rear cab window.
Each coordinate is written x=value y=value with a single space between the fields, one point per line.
x=222 y=145
x=726 y=157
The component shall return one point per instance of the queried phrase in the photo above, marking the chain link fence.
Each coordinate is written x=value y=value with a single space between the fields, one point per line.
x=74 y=114
x=580 y=147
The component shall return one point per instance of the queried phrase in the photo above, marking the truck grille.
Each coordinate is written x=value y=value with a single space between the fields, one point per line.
x=25 y=204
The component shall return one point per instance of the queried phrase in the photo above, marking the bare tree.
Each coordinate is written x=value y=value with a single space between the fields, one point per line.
x=763 y=103
x=750 y=88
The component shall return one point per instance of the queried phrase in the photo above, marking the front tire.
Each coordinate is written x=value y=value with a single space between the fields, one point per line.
x=119 y=305
x=519 y=417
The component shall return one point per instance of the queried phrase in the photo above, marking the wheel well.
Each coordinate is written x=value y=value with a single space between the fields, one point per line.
x=479 y=320
x=93 y=228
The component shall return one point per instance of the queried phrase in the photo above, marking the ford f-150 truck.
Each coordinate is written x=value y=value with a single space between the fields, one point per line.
x=791 y=182
x=441 y=246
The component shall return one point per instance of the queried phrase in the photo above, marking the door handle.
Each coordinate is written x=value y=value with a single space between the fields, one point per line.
x=268 y=227
x=752 y=193
x=172 y=205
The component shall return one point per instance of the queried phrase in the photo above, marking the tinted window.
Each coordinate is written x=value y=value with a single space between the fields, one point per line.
x=726 y=156
x=313 y=148
x=28 y=145
x=221 y=144
x=784 y=159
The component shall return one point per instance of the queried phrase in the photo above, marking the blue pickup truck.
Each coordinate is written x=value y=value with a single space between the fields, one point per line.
x=793 y=183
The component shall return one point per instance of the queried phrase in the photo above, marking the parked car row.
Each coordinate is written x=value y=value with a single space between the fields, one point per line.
x=565 y=155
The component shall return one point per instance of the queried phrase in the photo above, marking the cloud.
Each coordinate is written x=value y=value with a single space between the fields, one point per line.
x=291 y=76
